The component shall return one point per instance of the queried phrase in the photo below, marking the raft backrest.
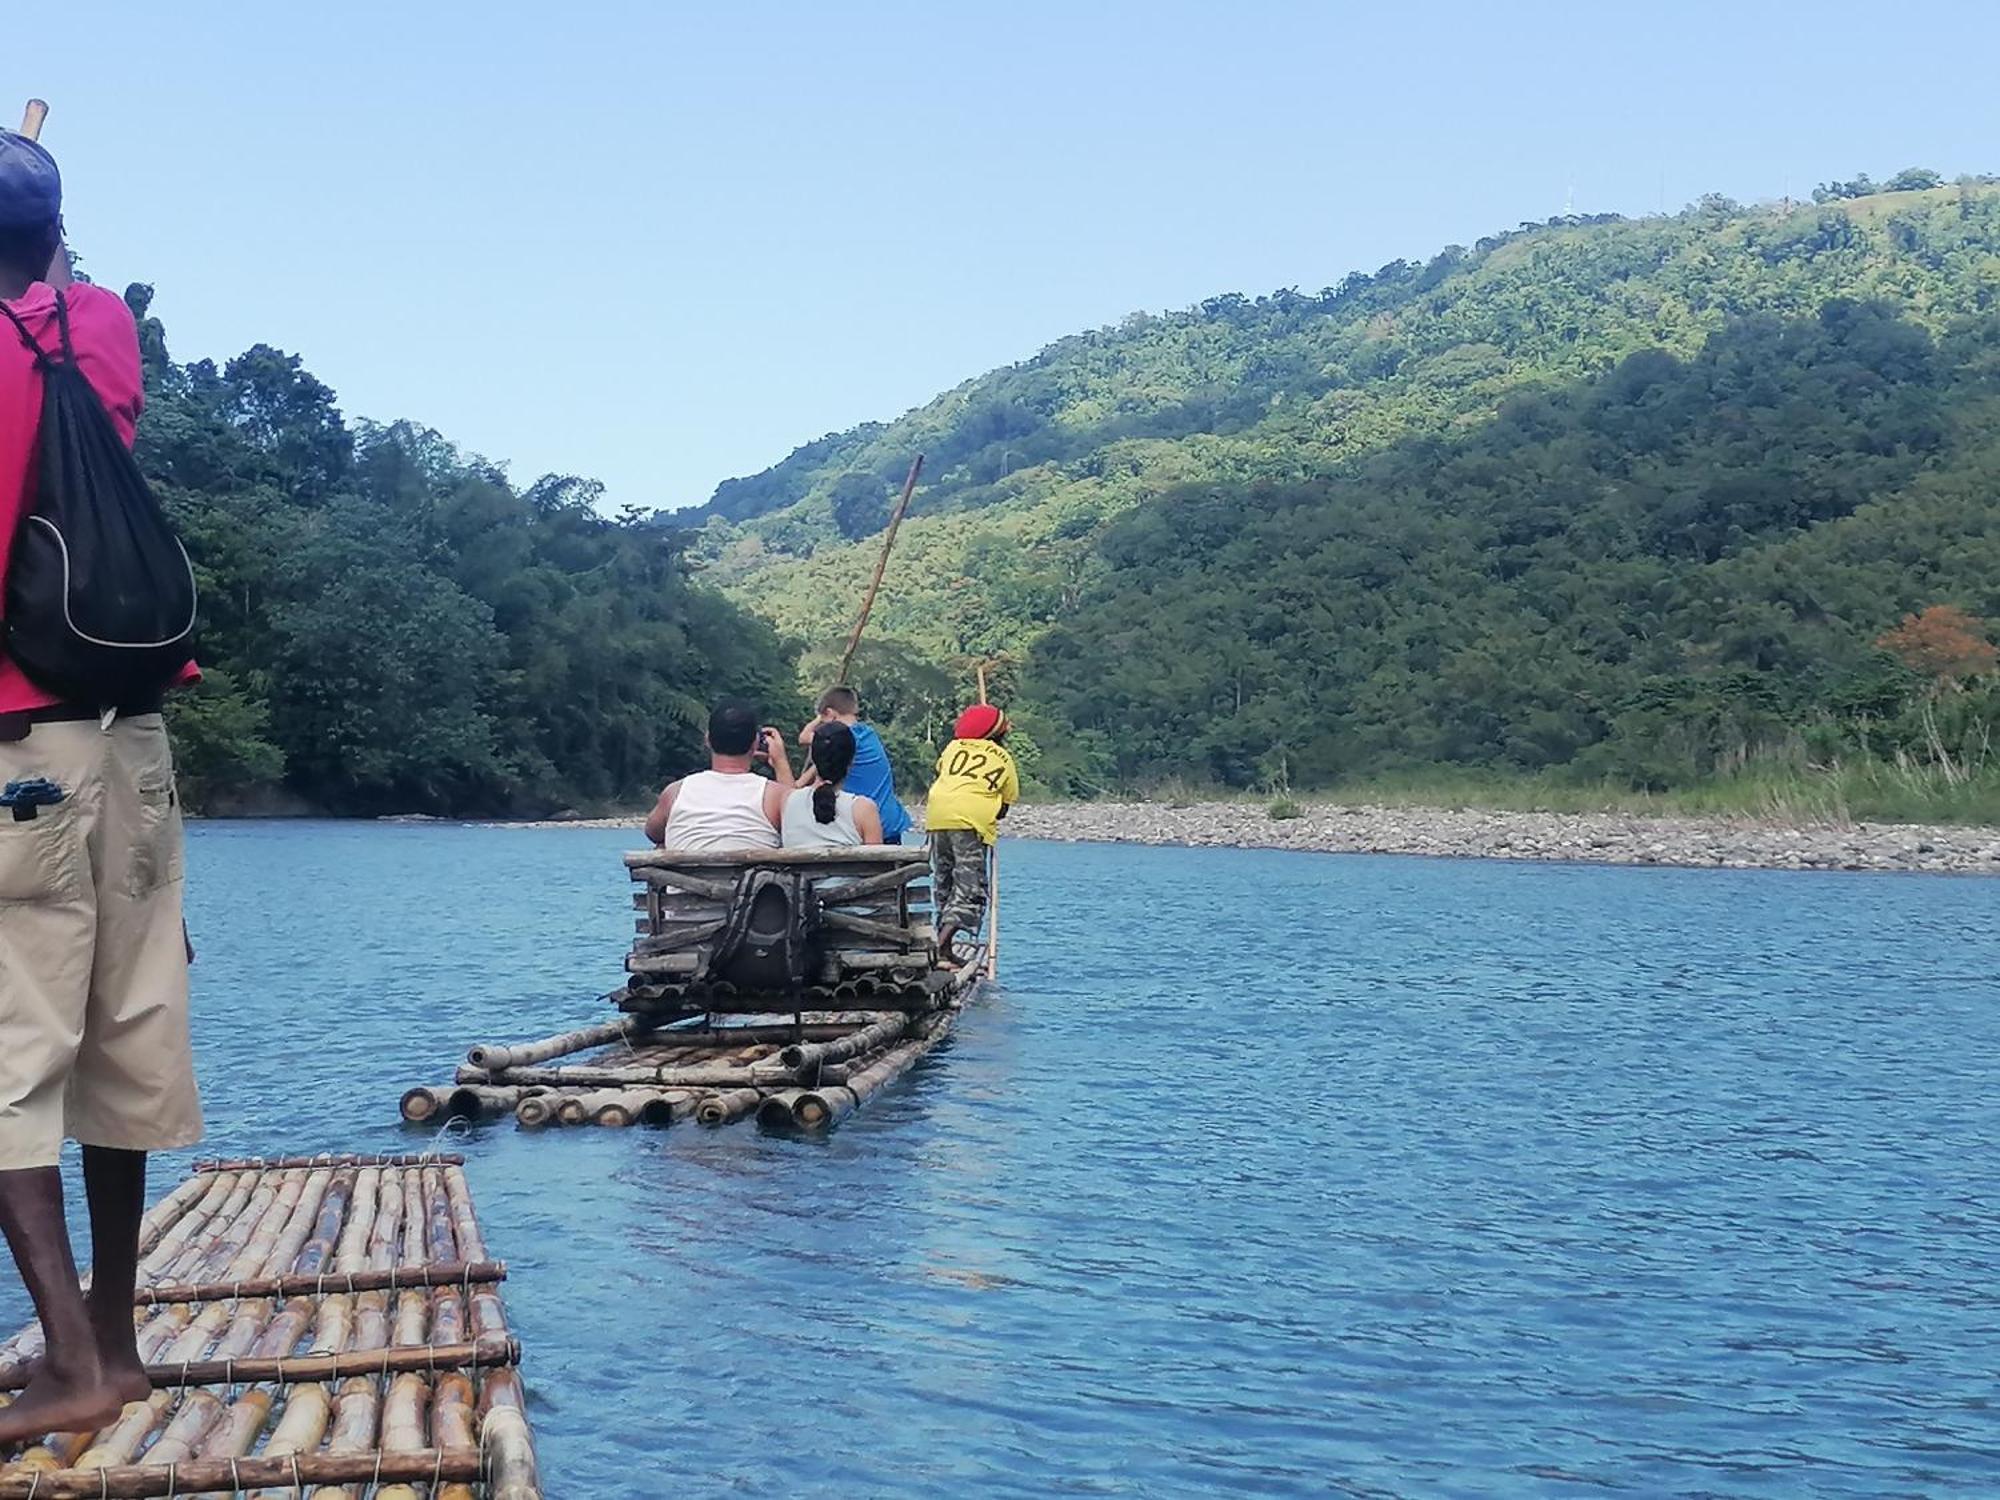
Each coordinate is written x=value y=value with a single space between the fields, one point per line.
x=885 y=928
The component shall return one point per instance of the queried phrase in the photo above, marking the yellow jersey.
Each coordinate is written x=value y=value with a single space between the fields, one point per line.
x=975 y=779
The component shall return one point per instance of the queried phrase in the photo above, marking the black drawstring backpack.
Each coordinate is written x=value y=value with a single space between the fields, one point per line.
x=100 y=598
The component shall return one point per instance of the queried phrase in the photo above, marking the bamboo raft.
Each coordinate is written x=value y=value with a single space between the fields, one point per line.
x=731 y=1011
x=328 y=1326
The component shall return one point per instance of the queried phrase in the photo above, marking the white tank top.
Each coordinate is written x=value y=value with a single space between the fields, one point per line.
x=720 y=810
x=804 y=831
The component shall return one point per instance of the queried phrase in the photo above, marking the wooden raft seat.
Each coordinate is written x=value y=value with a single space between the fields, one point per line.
x=874 y=934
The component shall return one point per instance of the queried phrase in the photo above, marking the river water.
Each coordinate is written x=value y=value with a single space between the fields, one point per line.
x=1261 y=1173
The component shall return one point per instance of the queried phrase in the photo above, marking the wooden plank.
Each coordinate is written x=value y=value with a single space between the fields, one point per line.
x=679 y=936
x=434 y=1273
x=867 y=858
x=291 y=1474
x=886 y=932
x=681 y=883
x=663 y=963
x=480 y=1354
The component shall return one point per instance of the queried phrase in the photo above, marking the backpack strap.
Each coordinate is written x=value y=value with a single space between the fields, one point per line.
x=62 y=326
x=42 y=360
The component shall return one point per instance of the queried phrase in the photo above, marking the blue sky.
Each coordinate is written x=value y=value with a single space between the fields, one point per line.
x=663 y=244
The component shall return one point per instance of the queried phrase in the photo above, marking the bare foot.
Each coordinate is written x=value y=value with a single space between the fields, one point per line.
x=118 y=1353
x=50 y=1404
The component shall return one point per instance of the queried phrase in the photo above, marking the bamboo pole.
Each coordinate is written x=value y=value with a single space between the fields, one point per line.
x=993 y=910
x=454 y=1427
x=881 y=566
x=775 y=1113
x=822 y=1109
x=503 y=1436
x=803 y=1058
x=32 y=119
x=536 y=1110
x=494 y=1057
x=721 y=1109
x=708 y=1077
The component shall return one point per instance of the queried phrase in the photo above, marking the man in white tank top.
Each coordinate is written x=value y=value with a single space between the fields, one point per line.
x=728 y=806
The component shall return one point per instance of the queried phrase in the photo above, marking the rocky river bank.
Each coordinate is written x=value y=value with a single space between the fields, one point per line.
x=1470 y=833
x=1603 y=838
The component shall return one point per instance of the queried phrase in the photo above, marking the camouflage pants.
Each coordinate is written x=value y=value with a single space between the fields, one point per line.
x=958 y=878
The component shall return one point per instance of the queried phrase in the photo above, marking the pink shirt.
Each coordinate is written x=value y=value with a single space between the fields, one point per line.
x=107 y=351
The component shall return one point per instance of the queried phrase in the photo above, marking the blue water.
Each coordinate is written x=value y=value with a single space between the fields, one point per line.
x=1263 y=1173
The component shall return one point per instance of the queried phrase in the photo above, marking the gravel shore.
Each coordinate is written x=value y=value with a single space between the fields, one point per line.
x=1601 y=838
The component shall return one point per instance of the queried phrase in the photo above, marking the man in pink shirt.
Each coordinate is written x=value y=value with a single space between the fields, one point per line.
x=93 y=971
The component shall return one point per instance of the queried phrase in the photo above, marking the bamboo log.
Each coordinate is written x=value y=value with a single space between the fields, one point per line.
x=316 y=1184
x=707 y=1076
x=495 y=1057
x=822 y=1109
x=346 y=1159
x=403 y=1427
x=236 y=1434
x=802 y=1058
x=454 y=1427
x=614 y=1107
x=333 y=1212
x=775 y=1112
x=354 y=1420
x=352 y=1471
x=464 y=1223
x=181 y=1438
x=421 y=1103
x=720 y=1109
x=503 y=1435
x=536 y=1110
x=117 y=1443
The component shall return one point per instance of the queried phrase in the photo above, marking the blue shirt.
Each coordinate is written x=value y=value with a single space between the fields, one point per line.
x=871 y=776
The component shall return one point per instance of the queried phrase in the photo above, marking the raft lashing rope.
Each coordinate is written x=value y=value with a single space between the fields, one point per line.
x=325 y=1325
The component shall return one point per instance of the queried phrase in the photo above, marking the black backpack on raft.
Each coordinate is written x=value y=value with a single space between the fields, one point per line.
x=100 y=597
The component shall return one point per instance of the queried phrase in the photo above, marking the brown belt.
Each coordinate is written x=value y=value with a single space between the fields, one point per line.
x=15 y=725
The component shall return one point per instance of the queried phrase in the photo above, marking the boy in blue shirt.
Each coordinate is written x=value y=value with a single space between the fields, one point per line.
x=871 y=775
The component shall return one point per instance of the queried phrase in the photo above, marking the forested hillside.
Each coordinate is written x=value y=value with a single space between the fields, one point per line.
x=388 y=625
x=1631 y=500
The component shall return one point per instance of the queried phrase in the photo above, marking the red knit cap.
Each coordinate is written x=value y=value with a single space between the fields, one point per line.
x=979 y=722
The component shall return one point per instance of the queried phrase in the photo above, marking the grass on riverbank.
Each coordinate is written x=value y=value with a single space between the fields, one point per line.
x=1868 y=791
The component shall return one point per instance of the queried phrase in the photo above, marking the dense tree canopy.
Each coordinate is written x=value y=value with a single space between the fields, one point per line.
x=390 y=625
x=1633 y=499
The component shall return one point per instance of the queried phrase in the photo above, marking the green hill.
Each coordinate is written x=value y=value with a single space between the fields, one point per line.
x=1624 y=499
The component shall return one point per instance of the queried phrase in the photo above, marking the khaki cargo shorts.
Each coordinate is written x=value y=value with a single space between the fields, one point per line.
x=93 y=971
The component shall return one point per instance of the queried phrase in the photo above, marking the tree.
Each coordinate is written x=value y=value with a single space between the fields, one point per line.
x=1943 y=643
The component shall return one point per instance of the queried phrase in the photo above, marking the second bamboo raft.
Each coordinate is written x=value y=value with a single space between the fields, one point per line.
x=328 y=1326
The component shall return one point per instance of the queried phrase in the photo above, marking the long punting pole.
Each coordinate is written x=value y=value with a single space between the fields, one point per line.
x=881 y=563
x=992 y=880
x=32 y=117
